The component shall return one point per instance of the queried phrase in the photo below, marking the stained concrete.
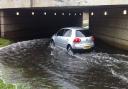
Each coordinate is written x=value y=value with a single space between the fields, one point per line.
x=112 y=28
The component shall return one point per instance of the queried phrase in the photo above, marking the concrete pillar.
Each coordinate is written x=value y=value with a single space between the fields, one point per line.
x=2 y=27
x=85 y=19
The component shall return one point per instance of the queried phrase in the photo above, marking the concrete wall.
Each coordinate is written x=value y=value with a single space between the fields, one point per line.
x=50 y=3
x=112 y=28
x=14 y=3
x=1 y=24
x=119 y=2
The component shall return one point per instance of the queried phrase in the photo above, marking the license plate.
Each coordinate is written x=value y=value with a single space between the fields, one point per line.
x=87 y=47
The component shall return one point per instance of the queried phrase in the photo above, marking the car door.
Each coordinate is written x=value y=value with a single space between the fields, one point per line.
x=58 y=39
x=66 y=37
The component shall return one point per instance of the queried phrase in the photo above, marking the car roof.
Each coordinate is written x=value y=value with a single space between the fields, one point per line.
x=76 y=28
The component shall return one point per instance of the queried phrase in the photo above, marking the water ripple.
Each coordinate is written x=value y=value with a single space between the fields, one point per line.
x=34 y=62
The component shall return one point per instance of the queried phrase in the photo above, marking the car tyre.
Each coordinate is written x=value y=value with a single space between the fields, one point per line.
x=70 y=51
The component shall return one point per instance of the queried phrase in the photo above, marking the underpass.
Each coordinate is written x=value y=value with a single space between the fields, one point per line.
x=35 y=65
x=109 y=22
x=37 y=23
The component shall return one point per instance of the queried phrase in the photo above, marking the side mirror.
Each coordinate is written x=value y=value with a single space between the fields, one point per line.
x=55 y=34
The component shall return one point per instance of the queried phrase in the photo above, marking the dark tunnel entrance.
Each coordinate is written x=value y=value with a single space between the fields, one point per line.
x=38 y=23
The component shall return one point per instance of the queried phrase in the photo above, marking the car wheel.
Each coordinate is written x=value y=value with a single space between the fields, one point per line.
x=52 y=44
x=70 y=51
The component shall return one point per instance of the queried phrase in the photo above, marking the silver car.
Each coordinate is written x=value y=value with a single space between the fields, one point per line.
x=72 y=39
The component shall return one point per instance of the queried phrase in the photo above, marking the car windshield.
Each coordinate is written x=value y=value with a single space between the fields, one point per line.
x=83 y=33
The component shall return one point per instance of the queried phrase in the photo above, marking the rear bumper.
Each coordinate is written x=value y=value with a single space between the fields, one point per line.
x=83 y=46
x=83 y=50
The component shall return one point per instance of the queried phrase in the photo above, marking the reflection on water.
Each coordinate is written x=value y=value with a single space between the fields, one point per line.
x=35 y=64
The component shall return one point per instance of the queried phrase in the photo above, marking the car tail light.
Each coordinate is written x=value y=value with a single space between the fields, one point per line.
x=93 y=38
x=77 y=40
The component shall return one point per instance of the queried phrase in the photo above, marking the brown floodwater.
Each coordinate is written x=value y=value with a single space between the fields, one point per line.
x=36 y=65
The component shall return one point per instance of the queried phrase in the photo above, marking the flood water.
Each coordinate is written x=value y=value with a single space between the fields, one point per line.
x=34 y=64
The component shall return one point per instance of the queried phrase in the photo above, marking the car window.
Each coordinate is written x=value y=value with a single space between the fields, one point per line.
x=83 y=33
x=60 y=32
x=67 y=33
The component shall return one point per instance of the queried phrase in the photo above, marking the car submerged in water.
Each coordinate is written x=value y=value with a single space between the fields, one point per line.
x=73 y=39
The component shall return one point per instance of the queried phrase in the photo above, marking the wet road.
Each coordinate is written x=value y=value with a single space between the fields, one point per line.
x=35 y=65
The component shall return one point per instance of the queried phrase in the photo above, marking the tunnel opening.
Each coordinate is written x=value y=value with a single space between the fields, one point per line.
x=38 y=23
